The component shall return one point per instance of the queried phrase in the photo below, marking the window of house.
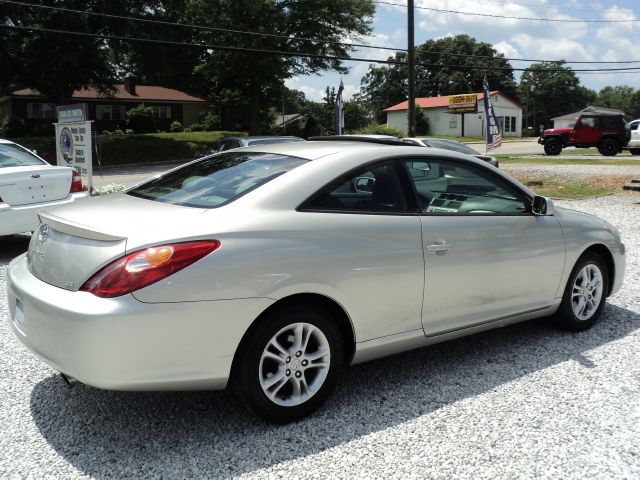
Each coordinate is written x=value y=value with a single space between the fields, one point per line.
x=41 y=110
x=111 y=112
x=507 y=124
x=513 y=124
x=161 y=111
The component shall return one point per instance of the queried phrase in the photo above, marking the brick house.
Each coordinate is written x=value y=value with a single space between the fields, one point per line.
x=109 y=112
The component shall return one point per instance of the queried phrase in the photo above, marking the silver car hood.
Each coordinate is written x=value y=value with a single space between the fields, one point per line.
x=73 y=242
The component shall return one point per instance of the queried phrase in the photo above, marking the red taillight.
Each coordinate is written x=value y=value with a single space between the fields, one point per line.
x=76 y=182
x=145 y=267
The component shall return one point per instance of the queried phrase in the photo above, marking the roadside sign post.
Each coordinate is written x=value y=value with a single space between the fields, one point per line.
x=74 y=142
x=461 y=104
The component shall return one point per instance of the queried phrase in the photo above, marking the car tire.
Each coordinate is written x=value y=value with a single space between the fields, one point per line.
x=585 y=293
x=609 y=147
x=289 y=364
x=552 y=146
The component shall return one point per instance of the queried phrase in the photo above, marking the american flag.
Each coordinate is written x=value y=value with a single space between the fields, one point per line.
x=493 y=136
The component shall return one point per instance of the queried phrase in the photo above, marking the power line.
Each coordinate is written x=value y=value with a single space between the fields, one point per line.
x=225 y=48
x=198 y=27
x=246 y=32
x=489 y=15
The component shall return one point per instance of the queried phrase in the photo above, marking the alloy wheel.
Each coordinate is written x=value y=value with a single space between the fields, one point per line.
x=294 y=364
x=587 y=291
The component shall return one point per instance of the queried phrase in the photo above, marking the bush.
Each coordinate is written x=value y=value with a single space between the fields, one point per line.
x=187 y=130
x=117 y=131
x=140 y=119
x=422 y=122
x=176 y=126
x=106 y=132
x=375 y=129
x=128 y=131
x=209 y=121
x=196 y=127
x=13 y=127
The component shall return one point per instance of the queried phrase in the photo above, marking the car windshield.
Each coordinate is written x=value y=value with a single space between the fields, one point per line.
x=12 y=155
x=450 y=145
x=217 y=180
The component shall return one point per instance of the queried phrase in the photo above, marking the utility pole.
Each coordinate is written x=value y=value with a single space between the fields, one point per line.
x=411 y=67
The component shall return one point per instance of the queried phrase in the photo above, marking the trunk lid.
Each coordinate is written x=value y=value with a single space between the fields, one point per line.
x=31 y=184
x=74 y=241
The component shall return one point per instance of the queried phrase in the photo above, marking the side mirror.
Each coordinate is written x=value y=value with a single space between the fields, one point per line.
x=542 y=206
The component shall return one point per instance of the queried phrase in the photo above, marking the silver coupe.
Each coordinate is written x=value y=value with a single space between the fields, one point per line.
x=269 y=269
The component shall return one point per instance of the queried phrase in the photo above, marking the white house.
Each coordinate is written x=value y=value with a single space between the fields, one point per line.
x=441 y=122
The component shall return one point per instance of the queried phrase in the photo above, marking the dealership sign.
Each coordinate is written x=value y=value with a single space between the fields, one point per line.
x=73 y=141
x=466 y=103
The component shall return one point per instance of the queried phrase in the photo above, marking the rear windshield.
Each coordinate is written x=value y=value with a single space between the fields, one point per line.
x=217 y=180
x=15 y=156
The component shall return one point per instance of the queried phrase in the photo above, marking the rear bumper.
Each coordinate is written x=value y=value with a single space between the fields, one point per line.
x=24 y=218
x=124 y=344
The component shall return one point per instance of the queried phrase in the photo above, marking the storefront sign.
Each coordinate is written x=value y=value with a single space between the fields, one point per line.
x=466 y=103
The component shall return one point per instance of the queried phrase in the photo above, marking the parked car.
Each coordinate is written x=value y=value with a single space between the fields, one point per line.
x=229 y=143
x=270 y=268
x=452 y=145
x=608 y=132
x=29 y=185
x=634 y=143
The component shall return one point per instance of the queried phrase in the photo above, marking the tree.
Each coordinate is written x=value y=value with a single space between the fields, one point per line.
x=385 y=86
x=459 y=64
x=56 y=64
x=257 y=77
x=446 y=66
x=356 y=114
x=622 y=97
x=551 y=89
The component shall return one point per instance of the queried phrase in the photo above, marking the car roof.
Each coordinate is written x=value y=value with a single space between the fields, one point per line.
x=2 y=140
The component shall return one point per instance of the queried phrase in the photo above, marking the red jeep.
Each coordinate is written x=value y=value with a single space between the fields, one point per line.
x=607 y=132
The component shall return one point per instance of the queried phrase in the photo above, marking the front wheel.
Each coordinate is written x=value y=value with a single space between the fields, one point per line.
x=609 y=147
x=552 y=146
x=585 y=293
x=289 y=364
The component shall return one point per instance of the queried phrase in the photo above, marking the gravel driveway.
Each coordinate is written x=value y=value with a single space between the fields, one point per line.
x=526 y=401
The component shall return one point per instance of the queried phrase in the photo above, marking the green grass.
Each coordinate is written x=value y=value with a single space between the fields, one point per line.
x=475 y=139
x=139 y=149
x=507 y=159
x=571 y=190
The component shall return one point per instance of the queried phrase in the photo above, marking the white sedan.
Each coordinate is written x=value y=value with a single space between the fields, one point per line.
x=29 y=185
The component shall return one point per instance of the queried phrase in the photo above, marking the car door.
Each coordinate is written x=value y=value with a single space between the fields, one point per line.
x=486 y=256
x=587 y=131
x=366 y=235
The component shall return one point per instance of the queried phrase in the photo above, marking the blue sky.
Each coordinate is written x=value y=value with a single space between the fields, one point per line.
x=514 y=38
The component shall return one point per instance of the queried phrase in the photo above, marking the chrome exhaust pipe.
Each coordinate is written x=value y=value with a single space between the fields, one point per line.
x=69 y=380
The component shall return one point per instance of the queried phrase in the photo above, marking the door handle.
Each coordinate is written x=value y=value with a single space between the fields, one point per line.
x=438 y=247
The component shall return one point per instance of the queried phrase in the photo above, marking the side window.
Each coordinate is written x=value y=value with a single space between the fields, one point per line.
x=634 y=125
x=450 y=188
x=373 y=189
x=587 y=122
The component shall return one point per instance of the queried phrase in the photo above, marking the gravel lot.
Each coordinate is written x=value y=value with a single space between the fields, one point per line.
x=526 y=401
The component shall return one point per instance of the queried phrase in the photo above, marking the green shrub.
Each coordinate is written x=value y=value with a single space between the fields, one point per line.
x=140 y=119
x=106 y=132
x=375 y=129
x=208 y=121
x=117 y=131
x=176 y=126
x=128 y=131
x=197 y=127
x=187 y=130
x=13 y=127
